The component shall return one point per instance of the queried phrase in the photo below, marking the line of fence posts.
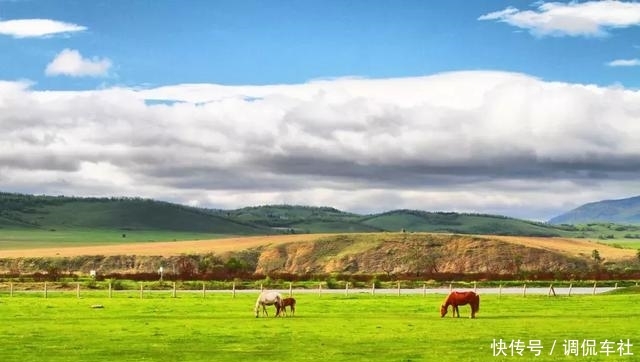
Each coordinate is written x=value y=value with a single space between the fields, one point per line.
x=551 y=290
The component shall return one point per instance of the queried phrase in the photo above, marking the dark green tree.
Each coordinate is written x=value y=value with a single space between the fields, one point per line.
x=595 y=254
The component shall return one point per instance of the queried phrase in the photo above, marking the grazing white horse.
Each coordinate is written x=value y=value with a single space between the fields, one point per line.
x=268 y=298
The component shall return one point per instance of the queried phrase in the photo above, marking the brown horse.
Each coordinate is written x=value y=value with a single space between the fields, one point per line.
x=454 y=299
x=291 y=302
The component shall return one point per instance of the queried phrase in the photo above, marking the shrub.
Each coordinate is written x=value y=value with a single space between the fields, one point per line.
x=116 y=284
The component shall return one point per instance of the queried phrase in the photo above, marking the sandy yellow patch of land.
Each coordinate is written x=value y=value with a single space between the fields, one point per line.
x=574 y=247
x=568 y=246
x=164 y=248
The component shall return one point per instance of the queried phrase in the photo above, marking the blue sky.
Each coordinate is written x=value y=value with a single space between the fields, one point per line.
x=520 y=108
x=258 y=42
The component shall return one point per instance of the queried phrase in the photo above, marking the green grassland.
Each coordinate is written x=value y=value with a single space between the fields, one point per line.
x=326 y=328
x=38 y=238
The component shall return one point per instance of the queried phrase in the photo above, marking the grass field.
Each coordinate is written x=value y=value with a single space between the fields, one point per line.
x=325 y=328
x=12 y=239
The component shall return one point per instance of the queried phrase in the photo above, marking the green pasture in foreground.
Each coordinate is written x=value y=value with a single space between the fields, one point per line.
x=38 y=238
x=325 y=328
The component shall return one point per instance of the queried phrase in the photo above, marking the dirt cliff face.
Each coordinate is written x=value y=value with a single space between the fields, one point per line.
x=375 y=253
x=412 y=253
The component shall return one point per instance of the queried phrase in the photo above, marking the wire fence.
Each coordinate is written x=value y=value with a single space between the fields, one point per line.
x=47 y=289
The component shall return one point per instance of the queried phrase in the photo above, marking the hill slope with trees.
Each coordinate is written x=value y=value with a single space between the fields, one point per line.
x=51 y=213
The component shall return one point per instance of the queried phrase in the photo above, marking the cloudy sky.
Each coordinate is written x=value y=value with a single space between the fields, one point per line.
x=519 y=108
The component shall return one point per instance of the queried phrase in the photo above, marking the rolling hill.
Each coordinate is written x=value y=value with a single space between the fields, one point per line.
x=624 y=211
x=47 y=212
x=29 y=212
x=300 y=219
x=413 y=220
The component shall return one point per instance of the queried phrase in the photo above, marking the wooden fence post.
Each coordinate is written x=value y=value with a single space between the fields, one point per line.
x=475 y=287
x=424 y=289
x=450 y=287
x=398 y=288
x=45 y=290
x=78 y=290
x=110 y=291
x=616 y=286
x=594 y=287
x=373 y=288
x=141 y=290
x=524 y=290
x=346 y=288
x=261 y=288
x=570 y=287
x=500 y=291
x=290 y=289
x=203 y=289
x=233 y=290
x=11 y=289
x=173 y=294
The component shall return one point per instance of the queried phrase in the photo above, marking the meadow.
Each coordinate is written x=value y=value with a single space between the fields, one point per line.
x=16 y=239
x=327 y=327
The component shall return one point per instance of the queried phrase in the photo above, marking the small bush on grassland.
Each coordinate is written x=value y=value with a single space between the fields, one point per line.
x=332 y=283
x=159 y=285
x=116 y=284
x=91 y=284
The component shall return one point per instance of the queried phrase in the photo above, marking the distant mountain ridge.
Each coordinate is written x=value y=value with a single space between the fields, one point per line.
x=623 y=211
x=61 y=212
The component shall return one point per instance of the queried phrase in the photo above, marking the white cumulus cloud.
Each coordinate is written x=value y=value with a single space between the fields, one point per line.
x=35 y=28
x=590 y=18
x=477 y=141
x=71 y=63
x=624 y=63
